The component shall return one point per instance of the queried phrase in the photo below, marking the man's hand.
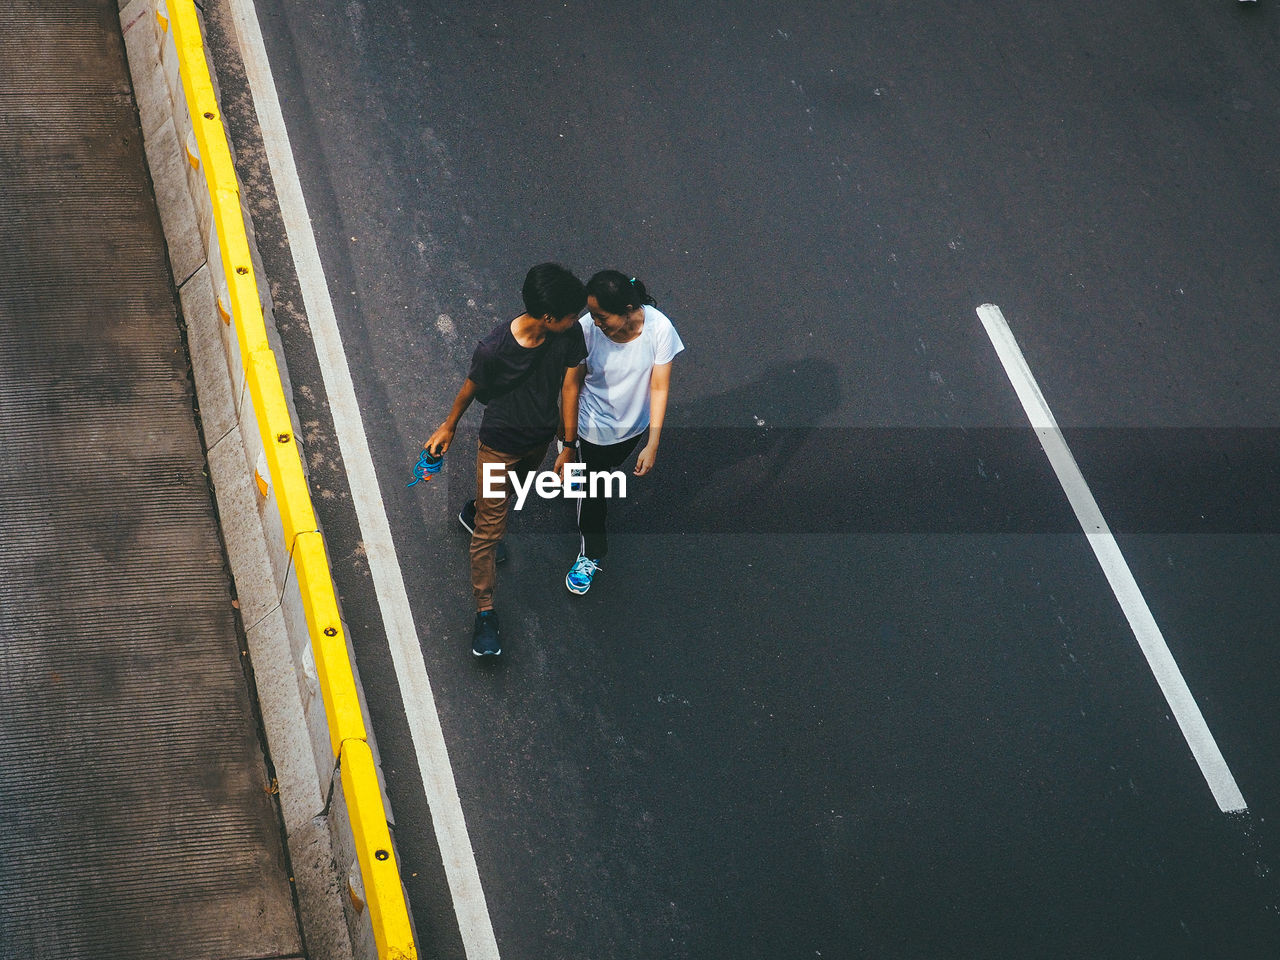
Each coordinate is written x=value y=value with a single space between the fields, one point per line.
x=439 y=441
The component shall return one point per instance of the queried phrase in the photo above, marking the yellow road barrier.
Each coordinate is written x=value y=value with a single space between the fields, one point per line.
x=373 y=849
x=384 y=891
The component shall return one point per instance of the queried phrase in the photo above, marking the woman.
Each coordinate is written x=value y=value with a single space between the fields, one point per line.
x=623 y=398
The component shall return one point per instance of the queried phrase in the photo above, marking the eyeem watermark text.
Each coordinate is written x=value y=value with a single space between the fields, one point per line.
x=548 y=485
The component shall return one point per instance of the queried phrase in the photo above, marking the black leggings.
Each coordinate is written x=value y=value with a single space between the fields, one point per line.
x=593 y=510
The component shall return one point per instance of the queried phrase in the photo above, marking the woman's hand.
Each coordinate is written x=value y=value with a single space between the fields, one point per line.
x=646 y=459
x=567 y=456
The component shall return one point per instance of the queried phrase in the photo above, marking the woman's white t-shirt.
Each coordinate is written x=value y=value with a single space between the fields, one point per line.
x=614 y=404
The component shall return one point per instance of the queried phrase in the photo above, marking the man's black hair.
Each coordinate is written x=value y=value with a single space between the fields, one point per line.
x=551 y=289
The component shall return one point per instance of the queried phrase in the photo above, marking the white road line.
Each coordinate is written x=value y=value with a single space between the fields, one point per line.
x=402 y=636
x=1168 y=676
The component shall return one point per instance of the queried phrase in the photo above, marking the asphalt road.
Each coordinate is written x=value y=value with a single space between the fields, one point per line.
x=852 y=683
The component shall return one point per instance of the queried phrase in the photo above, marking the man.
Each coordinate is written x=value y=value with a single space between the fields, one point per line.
x=519 y=371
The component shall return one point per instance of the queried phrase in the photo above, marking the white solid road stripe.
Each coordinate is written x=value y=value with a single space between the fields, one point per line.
x=402 y=636
x=1168 y=676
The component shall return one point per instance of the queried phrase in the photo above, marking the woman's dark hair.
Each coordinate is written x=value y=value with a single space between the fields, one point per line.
x=618 y=293
x=552 y=289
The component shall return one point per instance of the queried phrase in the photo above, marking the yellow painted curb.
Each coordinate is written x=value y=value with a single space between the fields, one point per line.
x=391 y=928
x=388 y=909
x=279 y=445
x=341 y=701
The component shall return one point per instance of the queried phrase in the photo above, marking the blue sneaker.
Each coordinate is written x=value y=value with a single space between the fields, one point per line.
x=485 y=638
x=579 y=578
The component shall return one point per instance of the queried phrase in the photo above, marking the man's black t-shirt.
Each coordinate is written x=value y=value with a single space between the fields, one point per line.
x=520 y=386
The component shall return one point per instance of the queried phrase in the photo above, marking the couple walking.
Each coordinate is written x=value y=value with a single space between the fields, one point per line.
x=602 y=377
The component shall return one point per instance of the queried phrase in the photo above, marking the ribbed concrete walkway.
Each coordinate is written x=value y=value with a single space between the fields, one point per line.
x=136 y=815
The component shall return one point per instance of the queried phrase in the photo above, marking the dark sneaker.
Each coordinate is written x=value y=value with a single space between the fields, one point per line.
x=467 y=517
x=485 y=641
x=579 y=578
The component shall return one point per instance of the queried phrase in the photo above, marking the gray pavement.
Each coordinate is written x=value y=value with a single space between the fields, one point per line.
x=852 y=684
x=139 y=821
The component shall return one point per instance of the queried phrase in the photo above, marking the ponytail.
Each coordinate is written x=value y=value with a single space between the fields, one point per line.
x=618 y=292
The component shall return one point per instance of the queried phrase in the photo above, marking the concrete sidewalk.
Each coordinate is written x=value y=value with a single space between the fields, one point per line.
x=139 y=807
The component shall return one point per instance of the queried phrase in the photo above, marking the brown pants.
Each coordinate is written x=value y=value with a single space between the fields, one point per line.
x=491 y=515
